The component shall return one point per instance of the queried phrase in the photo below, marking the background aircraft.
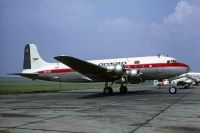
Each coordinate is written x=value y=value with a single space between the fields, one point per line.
x=195 y=76
x=185 y=80
x=120 y=70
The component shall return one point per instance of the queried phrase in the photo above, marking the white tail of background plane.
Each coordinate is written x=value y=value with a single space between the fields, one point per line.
x=32 y=59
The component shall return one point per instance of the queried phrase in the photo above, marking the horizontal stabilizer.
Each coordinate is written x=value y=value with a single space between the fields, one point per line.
x=27 y=75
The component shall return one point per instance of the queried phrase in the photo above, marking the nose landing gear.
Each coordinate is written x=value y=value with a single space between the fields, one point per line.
x=172 y=90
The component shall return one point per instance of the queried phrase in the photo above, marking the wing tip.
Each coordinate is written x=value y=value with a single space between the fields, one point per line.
x=63 y=57
x=60 y=56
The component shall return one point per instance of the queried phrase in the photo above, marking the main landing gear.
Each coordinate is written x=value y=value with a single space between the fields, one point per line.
x=123 y=89
x=109 y=91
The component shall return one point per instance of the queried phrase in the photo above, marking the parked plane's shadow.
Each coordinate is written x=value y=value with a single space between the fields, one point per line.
x=139 y=92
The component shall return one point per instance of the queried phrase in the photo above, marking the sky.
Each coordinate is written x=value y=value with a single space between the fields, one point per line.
x=97 y=29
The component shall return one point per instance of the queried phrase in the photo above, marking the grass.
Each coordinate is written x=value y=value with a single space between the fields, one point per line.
x=29 y=86
x=21 y=85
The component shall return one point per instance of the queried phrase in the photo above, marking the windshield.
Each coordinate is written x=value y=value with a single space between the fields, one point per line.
x=171 y=61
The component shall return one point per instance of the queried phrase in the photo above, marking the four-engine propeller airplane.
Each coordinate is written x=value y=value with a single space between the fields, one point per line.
x=120 y=70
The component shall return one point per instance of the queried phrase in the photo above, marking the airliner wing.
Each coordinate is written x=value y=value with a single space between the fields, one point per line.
x=86 y=68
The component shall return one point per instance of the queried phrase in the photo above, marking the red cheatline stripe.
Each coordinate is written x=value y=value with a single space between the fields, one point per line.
x=130 y=66
x=159 y=65
x=56 y=70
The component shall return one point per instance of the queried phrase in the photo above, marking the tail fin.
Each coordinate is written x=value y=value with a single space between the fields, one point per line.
x=32 y=59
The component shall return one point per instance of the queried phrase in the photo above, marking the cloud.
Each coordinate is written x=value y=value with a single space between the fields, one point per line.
x=116 y=24
x=179 y=33
x=182 y=26
x=177 y=29
x=182 y=11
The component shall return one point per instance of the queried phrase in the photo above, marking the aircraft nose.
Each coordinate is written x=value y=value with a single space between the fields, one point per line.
x=187 y=68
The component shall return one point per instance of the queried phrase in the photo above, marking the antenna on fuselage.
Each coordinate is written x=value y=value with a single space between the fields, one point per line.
x=162 y=55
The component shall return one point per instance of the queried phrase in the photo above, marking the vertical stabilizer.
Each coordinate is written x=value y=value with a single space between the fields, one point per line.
x=32 y=59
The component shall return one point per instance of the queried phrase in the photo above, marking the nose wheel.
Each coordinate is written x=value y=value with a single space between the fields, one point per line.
x=172 y=90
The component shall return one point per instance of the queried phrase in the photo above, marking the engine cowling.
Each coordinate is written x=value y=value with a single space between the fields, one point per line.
x=117 y=69
x=134 y=77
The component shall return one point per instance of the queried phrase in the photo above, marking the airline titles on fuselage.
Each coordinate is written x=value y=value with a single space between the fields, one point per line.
x=112 y=63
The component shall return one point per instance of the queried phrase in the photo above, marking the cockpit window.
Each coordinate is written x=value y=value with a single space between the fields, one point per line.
x=173 y=61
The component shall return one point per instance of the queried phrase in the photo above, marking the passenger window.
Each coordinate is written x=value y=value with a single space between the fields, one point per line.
x=137 y=62
x=168 y=61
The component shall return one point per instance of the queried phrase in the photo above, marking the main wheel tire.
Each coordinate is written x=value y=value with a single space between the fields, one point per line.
x=172 y=90
x=123 y=89
x=108 y=91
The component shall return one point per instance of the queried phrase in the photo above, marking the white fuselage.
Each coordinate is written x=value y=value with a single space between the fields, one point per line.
x=151 y=68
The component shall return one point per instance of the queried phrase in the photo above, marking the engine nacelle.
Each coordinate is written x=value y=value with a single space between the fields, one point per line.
x=134 y=77
x=132 y=73
x=117 y=69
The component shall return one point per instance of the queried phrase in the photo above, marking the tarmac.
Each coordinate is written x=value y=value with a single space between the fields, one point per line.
x=142 y=110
